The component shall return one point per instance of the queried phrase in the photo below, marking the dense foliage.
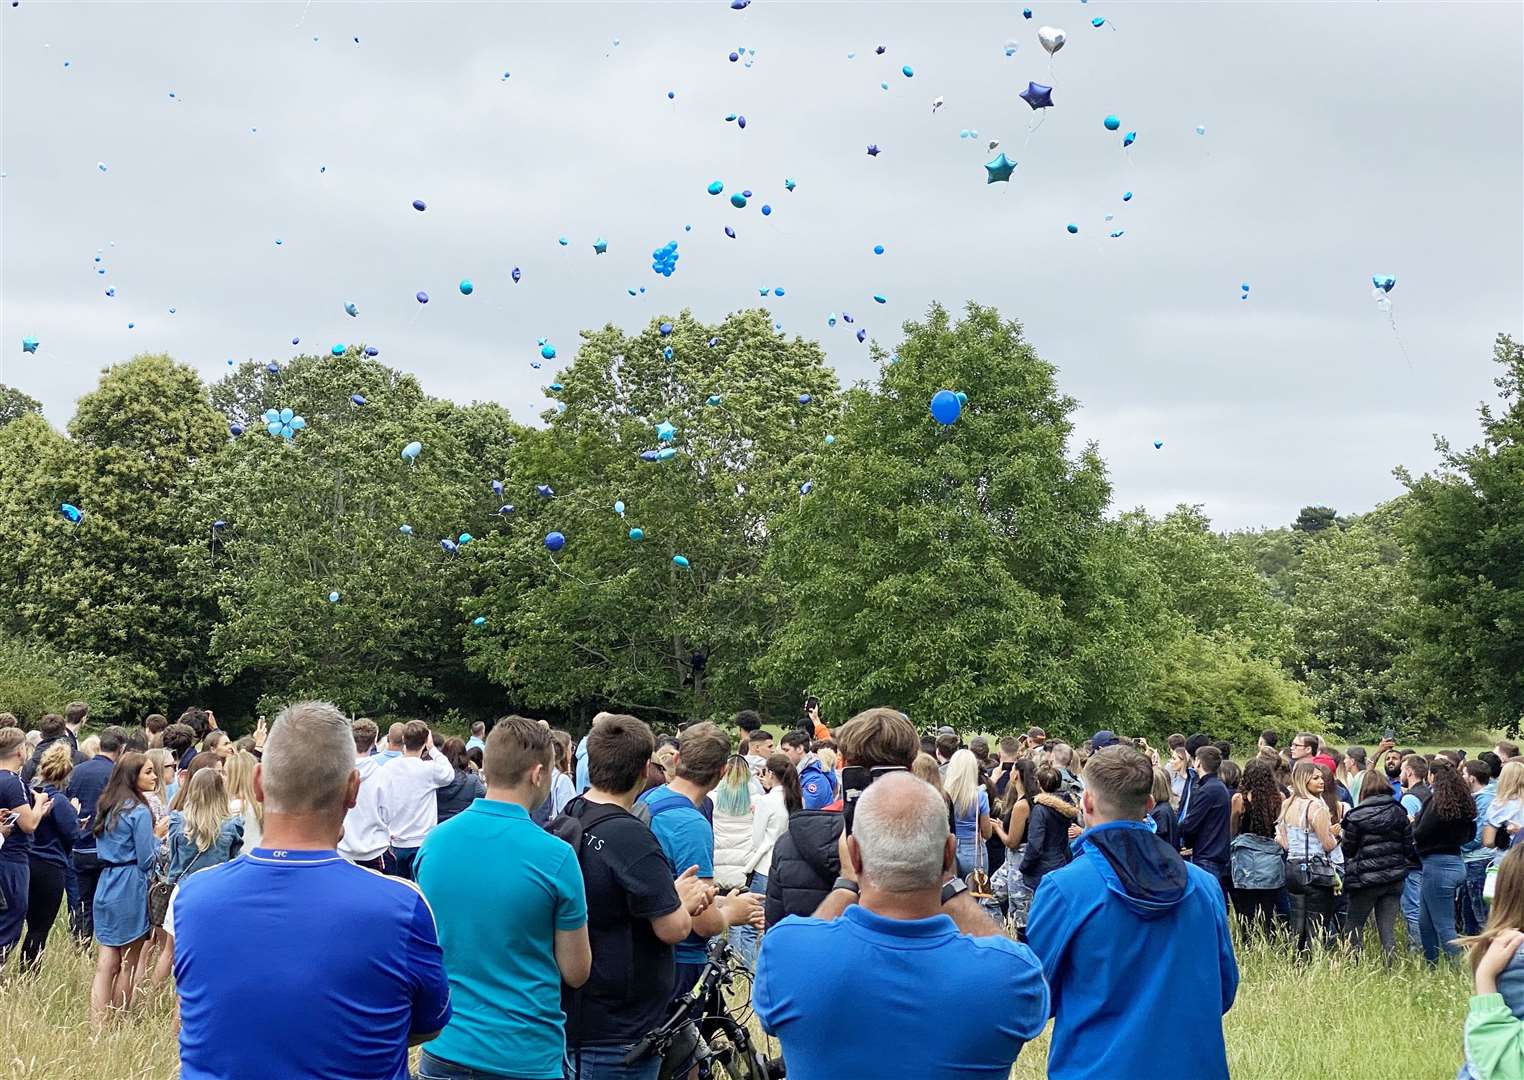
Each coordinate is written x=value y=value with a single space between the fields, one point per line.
x=836 y=541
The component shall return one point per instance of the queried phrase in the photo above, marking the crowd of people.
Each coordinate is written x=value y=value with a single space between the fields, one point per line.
x=987 y=888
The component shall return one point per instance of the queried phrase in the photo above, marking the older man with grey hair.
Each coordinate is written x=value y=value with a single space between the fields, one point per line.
x=344 y=962
x=926 y=1000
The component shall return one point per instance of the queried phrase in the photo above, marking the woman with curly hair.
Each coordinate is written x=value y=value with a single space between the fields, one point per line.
x=1447 y=822
x=1259 y=872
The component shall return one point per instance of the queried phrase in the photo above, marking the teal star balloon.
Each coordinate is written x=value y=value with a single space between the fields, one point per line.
x=1000 y=169
x=600 y=245
x=665 y=431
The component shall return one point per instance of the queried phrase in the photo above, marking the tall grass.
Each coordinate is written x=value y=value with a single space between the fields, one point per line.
x=1374 y=1021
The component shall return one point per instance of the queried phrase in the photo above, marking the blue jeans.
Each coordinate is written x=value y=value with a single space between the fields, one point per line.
x=1443 y=877
x=433 y=1068
x=404 y=857
x=607 y=1063
x=743 y=939
x=1412 y=885
x=1473 y=907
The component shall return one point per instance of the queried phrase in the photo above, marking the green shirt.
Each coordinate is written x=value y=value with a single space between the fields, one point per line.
x=1494 y=1038
x=500 y=886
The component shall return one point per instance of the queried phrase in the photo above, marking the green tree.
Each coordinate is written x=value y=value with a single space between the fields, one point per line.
x=323 y=514
x=1314 y=519
x=1464 y=528
x=1273 y=553
x=15 y=404
x=1213 y=685
x=1352 y=618
x=612 y=620
x=109 y=584
x=1210 y=583
x=964 y=573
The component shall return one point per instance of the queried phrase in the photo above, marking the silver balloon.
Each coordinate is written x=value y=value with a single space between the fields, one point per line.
x=1051 y=38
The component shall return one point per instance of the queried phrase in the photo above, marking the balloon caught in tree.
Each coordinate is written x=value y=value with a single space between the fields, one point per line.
x=411 y=451
x=283 y=423
x=945 y=407
x=555 y=541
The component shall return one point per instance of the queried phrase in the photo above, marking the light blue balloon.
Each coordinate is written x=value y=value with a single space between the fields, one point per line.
x=72 y=512
x=619 y=507
x=297 y=423
x=466 y=287
x=637 y=534
x=907 y=71
x=1112 y=123
x=680 y=561
x=333 y=597
x=273 y=427
x=548 y=351
x=412 y=450
x=480 y=620
x=405 y=530
x=1073 y=228
x=466 y=538
x=962 y=398
x=666 y=453
x=945 y=407
x=351 y=310
x=286 y=415
x=271 y=415
x=830 y=440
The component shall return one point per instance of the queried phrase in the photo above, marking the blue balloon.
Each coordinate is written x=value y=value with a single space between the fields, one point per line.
x=466 y=287
x=548 y=351
x=1127 y=196
x=738 y=200
x=371 y=350
x=1038 y=96
x=505 y=509
x=1112 y=123
x=405 y=530
x=648 y=455
x=357 y=399
x=862 y=336
x=680 y=562
x=235 y=430
x=945 y=407
x=1073 y=228
x=545 y=491
x=1026 y=13
x=1128 y=139
x=879 y=299
x=517 y=273
x=788 y=182
x=713 y=399
x=806 y=487
x=286 y=416
x=878 y=249
x=555 y=541
x=766 y=210
x=664 y=329
x=962 y=398
x=1097 y=22
x=447 y=546
x=637 y=534
x=1385 y=282
x=338 y=349
x=72 y=512
x=715 y=187
x=29 y=344
x=333 y=597
x=730 y=232
x=422 y=297
x=420 y=205
x=466 y=538
x=1158 y=444
x=351 y=310
x=804 y=399
x=411 y=451
x=619 y=507
x=666 y=453
x=480 y=620
x=907 y=71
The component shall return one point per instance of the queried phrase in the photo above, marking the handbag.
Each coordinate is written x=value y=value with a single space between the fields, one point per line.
x=1310 y=870
x=161 y=887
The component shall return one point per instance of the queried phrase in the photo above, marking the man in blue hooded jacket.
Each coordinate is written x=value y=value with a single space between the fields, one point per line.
x=1116 y=929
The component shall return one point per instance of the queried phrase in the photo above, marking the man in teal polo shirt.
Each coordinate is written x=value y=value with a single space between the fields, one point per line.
x=509 y=903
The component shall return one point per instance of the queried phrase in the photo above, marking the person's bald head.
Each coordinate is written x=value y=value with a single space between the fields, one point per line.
x=900 y=836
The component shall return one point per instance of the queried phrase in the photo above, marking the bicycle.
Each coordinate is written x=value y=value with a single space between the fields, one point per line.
x=703 y=1032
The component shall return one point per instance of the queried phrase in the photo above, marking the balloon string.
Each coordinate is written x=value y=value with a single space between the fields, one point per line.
x=304 y=15
x=1033 y=125
x=1392 y=319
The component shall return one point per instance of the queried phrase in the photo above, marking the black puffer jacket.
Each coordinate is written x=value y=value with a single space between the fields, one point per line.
x=805 y=864
x=1378 y=844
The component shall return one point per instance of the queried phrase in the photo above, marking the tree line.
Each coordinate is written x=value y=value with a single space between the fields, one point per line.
x=789 y=536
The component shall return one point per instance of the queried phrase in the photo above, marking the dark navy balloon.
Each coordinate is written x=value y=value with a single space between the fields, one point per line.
x=1038 y=96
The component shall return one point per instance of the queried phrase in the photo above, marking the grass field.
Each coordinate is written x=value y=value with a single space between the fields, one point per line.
x=1377 y=1023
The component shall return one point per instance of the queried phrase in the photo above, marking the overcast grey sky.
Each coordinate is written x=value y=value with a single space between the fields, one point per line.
x=1341 y=140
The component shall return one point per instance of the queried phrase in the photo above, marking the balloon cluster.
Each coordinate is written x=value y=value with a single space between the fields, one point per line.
x=664 y=258
x=283 y=423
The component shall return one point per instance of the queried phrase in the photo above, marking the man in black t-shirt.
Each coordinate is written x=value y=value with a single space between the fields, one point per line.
x=636 y=911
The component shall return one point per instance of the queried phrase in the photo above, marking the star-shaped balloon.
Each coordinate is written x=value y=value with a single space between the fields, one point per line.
x=665 y=431
x=873 y=149
x=600 y=245
x=29 y=344
x=1038 y=96
x=999 y=169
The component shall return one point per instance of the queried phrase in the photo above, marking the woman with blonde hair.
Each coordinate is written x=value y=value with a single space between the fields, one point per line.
x=241 y=800
x=971 y=808
x=52 y=845
x=1506 y=813
x=732 y=823
x=88 y=748
x=1505 y=920
x=163 y=762
x=203 y=833
x=1305 y=831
